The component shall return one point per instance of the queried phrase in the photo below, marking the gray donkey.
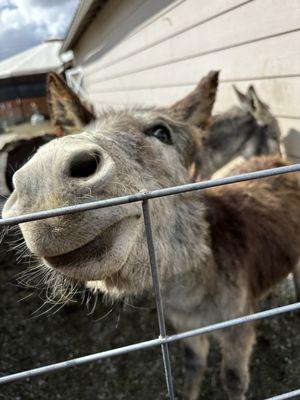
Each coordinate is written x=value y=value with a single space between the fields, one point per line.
x=246 y=131
x=218 y=251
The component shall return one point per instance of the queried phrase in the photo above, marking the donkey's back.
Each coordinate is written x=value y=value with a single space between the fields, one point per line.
x=255 y=226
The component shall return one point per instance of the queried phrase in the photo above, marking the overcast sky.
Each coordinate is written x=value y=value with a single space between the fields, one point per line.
x=25 y=23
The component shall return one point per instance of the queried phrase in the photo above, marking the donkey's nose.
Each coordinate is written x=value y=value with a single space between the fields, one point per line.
x=63 y=172
x=84 y=164
x=81 y=164
x=87 y=165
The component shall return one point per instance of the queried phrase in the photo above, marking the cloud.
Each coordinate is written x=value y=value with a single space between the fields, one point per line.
x=7 y=5
x=25 y=23
x=49 y=3
x=18 y=42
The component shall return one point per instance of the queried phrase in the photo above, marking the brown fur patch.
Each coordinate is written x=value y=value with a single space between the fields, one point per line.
x=67 y=111
x=248 y=218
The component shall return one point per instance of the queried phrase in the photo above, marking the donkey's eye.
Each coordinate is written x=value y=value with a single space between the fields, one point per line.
x=161 y=132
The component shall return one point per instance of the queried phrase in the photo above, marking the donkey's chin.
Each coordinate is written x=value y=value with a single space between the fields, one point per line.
x=102 y=257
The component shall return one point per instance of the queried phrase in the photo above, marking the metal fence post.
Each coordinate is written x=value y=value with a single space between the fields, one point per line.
x=158 y=298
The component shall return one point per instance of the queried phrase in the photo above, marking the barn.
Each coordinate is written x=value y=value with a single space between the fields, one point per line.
x=23 y=80
x=153 y=52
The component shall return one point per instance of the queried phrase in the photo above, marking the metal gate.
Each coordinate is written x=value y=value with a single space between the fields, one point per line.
x=163 y=340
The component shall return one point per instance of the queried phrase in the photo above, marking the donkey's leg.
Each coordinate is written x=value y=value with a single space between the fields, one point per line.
x=196 y=351
x=296 y=278
x=236 y=346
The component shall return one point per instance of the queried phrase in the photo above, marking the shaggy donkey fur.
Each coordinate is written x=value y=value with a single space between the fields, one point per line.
x=243 y=132
x=218 y=251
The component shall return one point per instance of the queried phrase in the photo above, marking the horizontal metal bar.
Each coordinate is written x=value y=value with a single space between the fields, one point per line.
x=150 y=343
x=284 y=396
x=148 y=195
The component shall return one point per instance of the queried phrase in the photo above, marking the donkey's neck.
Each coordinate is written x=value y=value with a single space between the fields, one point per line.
x=190 y=267
x=189 y=238
x=228 y=137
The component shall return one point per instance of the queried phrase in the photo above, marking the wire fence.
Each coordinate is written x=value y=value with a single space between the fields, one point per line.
x=163 y=340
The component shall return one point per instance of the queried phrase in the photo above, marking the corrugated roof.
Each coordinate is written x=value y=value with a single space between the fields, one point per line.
x=39 y=59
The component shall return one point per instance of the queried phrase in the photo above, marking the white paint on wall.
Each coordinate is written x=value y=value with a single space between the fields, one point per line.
x=154 y=52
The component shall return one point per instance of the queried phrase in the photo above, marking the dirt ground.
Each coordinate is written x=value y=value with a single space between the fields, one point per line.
x=27 y=129
x=28 y=342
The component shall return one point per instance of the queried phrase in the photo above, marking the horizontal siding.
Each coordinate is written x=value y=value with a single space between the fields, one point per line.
x=225 y=31
x=118 y=21
x=102 y=32
x=154 y=52
x=281 y=94
x=173 y=21
x=151 y=11
x=270 y=63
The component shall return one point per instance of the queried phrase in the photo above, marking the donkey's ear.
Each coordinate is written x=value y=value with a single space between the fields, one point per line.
x=197 y=106
x=67 y=112
x=251 y=102
x=257 y=104
x=242 y=97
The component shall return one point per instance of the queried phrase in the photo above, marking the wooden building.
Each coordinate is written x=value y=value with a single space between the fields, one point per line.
x=23 y=79
x=155 y=51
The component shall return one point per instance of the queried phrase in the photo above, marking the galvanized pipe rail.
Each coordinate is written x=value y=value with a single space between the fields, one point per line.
x=163 y=339
x=56 y=212
x=285 y=396
x=147 y=344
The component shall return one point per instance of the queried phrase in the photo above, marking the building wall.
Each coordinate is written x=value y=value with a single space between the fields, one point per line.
x=154 y=52
x=17 y=96
x=17 y=111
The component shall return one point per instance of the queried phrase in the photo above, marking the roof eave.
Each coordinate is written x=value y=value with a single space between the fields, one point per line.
x=78 y=25
x=78 y=20
x=58 y=69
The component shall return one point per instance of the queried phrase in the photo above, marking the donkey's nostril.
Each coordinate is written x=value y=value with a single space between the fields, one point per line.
x=84 y=164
